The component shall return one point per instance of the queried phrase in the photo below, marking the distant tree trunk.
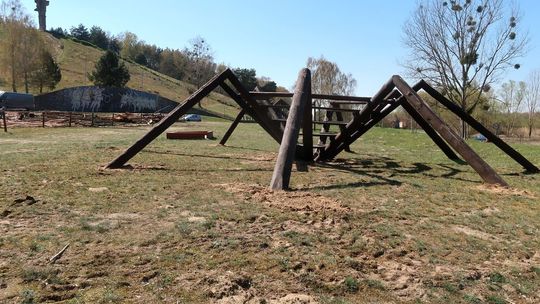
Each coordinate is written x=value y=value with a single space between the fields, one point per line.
x=26 y=82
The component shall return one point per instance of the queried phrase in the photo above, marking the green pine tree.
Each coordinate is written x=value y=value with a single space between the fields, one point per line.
x=110 y=72
x=48 y=74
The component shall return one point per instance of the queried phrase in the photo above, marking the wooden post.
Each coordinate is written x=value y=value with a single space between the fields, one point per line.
x=168 y=120
x=93 y=118
x=70 y=119
x=43 y=119
x=474 y=160
x=307 y=122
x=4 y=120
x=287 y=149
x=479 y=127
x=112 y=120
x=232 y=127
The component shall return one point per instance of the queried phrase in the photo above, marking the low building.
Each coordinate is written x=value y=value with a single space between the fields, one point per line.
x=19 y=101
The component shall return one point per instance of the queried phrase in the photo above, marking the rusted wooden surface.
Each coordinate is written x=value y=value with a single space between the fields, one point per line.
x=190 y=135
x=282 y=170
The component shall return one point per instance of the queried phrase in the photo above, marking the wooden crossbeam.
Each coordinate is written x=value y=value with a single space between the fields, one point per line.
x=346 y=99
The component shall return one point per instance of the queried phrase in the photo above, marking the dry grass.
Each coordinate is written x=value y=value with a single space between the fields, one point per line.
x=193 y=222
x=77 y=60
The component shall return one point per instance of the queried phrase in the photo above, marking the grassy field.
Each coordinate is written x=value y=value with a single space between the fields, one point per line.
x=193 y=222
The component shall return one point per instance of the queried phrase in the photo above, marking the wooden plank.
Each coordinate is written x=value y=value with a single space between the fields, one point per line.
x=474 y=160
x=320 y=122
x=336 y=109
x=518 y=157
x=350 y=99
x=167 y=121
x=282 y=170
x=232 y=127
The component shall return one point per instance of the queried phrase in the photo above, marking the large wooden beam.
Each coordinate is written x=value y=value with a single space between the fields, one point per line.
x=307 y=124
x=287 y=150
x=166 y=122
x=474 y=160
x=232 y=127
x=479 y=127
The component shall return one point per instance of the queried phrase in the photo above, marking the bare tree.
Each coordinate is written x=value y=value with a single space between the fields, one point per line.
x=14 y=24
x=463 y=47
x=512 y=95
x=32 y=46
x=532 y=96
x=201 y=64
x=327 y=78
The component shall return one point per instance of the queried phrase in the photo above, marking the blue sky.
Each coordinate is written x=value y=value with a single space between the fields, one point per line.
x=276 y=37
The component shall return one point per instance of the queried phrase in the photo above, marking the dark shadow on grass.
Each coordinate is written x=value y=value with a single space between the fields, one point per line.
x=207 y=156
x=245 y=148
x=385 y=171
x=140 y=167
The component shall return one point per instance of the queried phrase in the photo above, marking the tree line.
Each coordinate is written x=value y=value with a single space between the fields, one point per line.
x=25 y=58
x=193 y=64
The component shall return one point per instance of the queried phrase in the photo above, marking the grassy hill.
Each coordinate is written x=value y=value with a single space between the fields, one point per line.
x=76 y=60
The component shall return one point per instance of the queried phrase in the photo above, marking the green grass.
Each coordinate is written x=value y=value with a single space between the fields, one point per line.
x=192 y=221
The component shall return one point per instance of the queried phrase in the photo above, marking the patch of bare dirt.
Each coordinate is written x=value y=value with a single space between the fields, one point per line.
x=475 y=233
x=495 y=189
x=298 y=201
x=231 y=288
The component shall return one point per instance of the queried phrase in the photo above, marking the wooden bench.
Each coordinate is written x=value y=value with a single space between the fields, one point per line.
x=190 y=135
